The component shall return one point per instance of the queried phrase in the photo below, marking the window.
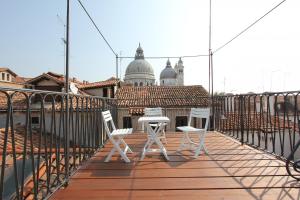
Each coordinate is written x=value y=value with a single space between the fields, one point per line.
x=136 y=84
x=127 y=122
x=35 y=120
x=3 y=76
x=181 y=121
x=141 y=83
x=104 y=92
x=7 y=77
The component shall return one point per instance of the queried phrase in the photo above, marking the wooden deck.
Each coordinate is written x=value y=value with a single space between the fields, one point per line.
x=230 y=171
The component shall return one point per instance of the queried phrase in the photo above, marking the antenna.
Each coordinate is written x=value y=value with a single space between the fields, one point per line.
x=120 y=65
x=63 y=39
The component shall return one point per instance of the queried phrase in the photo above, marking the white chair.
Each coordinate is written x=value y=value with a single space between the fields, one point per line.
x=156 y=112
x=116 y=137
x=187 y=142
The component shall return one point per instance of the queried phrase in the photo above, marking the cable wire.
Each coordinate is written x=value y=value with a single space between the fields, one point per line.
x=243 y=31
x=165 y=57
x=97 y=28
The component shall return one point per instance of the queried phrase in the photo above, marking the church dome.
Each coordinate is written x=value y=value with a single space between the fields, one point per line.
x=139 y=65
x=168 y=72
x=139 y=72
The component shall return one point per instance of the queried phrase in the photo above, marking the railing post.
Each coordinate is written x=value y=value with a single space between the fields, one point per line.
x=241 y=105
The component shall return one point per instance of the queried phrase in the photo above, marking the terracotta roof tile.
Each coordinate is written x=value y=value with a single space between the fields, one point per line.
x=256 y=122
x=137 y=98
x=59 y=78
x=37 y=146
x=109 y=82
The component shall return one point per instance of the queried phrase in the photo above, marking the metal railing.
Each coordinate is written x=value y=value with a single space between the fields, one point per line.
x=37 y=155
x=267 y=121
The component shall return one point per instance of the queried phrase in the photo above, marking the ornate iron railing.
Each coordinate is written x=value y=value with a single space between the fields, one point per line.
x=267 y=121
x=37 y=155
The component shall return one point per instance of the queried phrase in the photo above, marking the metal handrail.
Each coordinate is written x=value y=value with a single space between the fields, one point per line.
x=34 y=143
x=266 y=121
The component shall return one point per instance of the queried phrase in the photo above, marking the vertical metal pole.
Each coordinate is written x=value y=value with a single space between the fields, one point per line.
x=210 y=74
x=212 y=90
x=67 y=95
x=117 y=66
x=209 y=49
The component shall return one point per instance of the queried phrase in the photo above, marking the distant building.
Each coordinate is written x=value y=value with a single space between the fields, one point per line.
x=176 y=102
x=139 y=72
x=105 y=88
x=53 y=82
x=172 y=77
x=10 y=79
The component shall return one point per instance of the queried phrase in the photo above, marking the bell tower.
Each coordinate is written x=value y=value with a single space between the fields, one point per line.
x=179 y=68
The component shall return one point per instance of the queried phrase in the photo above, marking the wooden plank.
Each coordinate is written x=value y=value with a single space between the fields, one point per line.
x=182 y=165
x=165 y=173
x=177 y=157
x=251 y=194
x=185 y=183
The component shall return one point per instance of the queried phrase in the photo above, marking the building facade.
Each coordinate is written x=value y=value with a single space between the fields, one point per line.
x=10 y=79
x=105 y=88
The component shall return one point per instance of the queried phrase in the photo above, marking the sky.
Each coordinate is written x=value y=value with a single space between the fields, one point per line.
x=264 y=58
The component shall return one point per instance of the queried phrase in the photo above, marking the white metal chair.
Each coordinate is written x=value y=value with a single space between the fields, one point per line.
x=156 y=112
x=116 y=137
x=186 y=141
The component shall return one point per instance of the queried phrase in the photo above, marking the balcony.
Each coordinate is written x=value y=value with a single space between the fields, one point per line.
x=53 y=146
x=230 y=171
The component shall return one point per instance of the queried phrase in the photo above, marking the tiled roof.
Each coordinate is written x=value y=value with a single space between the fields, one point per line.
x=37 y=146
x=109 y=82
x=256 y=122
x=58 y=78
x=19 y=102
x=20 y=79
x=3 y=69
x=47 y=76
x=137 y=98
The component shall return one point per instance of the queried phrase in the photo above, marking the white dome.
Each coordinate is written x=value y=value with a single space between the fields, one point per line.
x=139 y=70
x=139 y=66
x=168 y=72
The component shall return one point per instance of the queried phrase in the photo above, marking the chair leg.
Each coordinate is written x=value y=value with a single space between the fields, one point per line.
x=161 y=147
x=118 y=148
x=122 y=154
x=182 y=143
x=201 y=146
x=145 y=148
x=164 y=136
x=126 y=146
x=111 y=153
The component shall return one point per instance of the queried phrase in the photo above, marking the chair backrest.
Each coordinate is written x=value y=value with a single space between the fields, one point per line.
x=108 y=121
x=202 y=113
x=153 y=111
